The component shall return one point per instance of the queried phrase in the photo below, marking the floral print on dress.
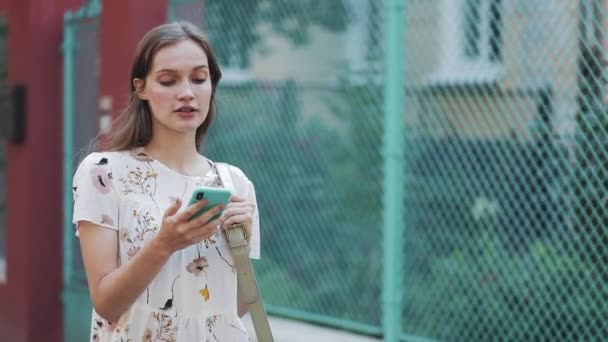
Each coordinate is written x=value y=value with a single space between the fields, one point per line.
x=97 y=327
x=165 y=328
x=169 y=302
x=101 y=177
x=102 y=327
x=205 y=293
x=116 y=189
x=210 y=179
x=198 y=267
x=74 y=193
x=93 y=186
x=232 y=267
x=211 y=320
x=106 y=219
x=210 y=241
x=144 y=228
x=138 y=181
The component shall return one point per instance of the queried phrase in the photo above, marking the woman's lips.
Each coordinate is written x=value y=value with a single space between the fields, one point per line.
x=186 y=114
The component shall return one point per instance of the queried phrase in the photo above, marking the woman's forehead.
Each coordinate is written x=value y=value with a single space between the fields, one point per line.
x=185 y=55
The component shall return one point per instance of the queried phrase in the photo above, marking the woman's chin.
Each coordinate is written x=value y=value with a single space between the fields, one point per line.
x=186 y=129
x=188 y=122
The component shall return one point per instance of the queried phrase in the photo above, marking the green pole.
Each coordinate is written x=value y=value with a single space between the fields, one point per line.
x=68 y=144
x=394 y=115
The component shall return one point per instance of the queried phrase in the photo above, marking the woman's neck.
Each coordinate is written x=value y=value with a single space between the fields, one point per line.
x=177 y=152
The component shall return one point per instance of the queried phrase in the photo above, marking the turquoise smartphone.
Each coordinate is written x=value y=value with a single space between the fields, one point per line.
x=215 y=196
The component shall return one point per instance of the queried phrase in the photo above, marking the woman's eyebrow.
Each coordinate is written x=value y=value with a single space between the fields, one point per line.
x=166 y=70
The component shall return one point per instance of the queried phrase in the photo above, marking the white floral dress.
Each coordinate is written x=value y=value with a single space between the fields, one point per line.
x=194 y=296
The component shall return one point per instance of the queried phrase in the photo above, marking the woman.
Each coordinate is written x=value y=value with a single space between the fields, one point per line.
x=152 y=273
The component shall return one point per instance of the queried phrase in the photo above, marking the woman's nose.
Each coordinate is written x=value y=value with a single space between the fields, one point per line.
x=186 y=92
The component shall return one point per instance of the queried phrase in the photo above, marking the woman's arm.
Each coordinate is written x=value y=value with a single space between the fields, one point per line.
x=114 y=289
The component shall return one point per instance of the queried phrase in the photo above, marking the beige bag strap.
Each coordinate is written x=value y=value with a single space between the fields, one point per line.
x=248 y=287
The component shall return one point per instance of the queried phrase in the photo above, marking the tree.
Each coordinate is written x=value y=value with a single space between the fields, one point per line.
x=233 y=26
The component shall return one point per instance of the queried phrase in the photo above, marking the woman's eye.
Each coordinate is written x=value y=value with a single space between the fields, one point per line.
x=167 y=83
x=199 y=80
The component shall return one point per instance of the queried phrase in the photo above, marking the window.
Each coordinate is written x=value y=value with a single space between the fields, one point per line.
x=482 y=39
x=365 y=45
x=471 y=41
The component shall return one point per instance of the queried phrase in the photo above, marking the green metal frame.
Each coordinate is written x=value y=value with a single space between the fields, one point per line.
x=394 y=145
x=73 y=302
x=91 y=10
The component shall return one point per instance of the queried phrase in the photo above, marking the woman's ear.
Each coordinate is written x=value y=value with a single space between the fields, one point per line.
x=140 y=87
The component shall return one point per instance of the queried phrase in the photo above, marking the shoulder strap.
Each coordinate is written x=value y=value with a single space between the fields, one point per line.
x=223 y=170
x=247 y=284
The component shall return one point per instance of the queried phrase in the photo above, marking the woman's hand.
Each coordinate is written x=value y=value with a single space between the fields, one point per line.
x=177 y=232
x=239 y=210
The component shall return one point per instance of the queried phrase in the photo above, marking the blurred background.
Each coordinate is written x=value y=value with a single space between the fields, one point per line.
x=425 y=169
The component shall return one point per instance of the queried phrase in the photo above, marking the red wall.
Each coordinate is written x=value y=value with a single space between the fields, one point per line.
x=123 y=24
x=30 y=304
x=32 y=309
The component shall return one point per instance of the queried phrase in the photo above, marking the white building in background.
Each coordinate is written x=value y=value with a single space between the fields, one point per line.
x=478 y=66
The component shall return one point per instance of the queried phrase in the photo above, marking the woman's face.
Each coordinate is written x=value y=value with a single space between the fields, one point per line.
x=177 y=88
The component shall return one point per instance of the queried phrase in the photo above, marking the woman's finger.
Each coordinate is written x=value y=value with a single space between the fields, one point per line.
x=173 y=208
x=243 y=218
x=241 y=205
x=250 y=206
x=231 y=211
x=191 y=210
x=237 y=198
x=204 y=218
x=207 y=230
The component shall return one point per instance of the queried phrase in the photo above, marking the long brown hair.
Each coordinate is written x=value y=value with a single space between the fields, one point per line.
x=133 y=127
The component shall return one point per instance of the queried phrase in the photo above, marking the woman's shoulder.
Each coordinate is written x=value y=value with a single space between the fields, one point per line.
x=235 y=171
x=95 y=155
x=102 y=158
x=116 y=163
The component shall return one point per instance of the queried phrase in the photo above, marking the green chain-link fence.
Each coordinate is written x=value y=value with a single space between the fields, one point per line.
x=505 y=213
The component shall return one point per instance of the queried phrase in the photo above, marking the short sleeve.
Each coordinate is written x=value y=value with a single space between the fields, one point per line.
x=254 y=241
x=94 y=197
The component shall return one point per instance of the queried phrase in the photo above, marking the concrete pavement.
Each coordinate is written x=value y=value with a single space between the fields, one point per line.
x=284 y=330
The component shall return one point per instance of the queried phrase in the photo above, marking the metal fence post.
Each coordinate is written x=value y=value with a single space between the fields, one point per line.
x=394 y=101
x=68 y=142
